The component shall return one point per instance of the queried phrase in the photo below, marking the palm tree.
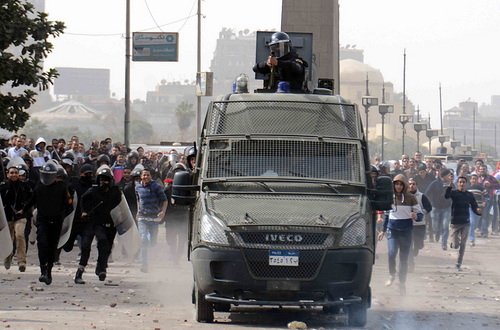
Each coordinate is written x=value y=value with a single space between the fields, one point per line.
x=184 y=112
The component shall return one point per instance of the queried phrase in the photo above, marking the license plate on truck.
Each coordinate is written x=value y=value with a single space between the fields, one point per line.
x=283 y=258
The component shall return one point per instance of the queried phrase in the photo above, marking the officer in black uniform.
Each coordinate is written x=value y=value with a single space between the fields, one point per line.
x=97 y=204
x=177 y=218
x=81 y=227
x=288 y=66
x=52 y=200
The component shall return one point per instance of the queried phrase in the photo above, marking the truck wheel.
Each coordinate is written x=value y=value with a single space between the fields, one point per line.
x=193 y=296
x=204 y=309
x=358 y=314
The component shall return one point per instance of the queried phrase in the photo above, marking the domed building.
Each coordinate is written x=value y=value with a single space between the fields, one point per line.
x=353 y=76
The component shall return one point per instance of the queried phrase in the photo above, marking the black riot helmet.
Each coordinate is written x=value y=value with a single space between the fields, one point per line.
x=61 y=172
x=280 y=44
x=104 y=173
x=103 y=159
x=190 y=154
x=48 y=173
x=68 y=155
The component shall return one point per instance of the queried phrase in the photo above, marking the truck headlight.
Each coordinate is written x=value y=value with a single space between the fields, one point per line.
x=354 y=233
x=213 y=230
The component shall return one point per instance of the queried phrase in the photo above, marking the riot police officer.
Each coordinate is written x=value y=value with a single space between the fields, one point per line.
x=97 y=204
x=284 y=62
x=52 y=200
x=81 y=227
x=177 y=217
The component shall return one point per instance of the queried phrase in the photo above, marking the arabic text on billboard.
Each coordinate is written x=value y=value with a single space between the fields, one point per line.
x=155 y=46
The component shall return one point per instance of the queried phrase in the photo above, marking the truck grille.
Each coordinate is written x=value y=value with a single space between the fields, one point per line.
x=285 y=240
x=258 y=264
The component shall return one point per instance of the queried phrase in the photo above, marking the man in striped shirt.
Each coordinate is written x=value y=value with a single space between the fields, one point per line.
x=151 y=208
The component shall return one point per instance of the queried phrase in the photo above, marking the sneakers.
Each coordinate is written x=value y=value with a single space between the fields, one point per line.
x=402 y=289
x=472 y=244
x=445 y=247
x=144 y=269
x=457 y=268
x=22 y=267
x=390 y=280
x=7 y=262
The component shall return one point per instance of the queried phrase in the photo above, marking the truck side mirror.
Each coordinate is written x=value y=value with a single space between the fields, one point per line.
x=182 y=187
x=383 y=196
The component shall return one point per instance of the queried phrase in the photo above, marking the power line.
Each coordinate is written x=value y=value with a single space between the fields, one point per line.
x=151 y=14
x=121 y=34
x=192 y=7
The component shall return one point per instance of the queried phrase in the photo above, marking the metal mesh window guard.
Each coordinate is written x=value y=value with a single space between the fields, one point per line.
x=283 y=118
x=270 y=209
x=286 y=158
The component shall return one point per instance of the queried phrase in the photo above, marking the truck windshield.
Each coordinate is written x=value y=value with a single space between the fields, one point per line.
x=284 y=139
x=290 y=158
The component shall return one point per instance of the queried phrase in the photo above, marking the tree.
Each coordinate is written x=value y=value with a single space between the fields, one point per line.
x=29 y=35
x=35 y=128
x=184 y=112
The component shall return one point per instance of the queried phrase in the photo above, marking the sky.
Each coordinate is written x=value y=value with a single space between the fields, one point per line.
x=448 y=42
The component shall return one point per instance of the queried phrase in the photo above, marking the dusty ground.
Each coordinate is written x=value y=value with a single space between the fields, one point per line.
x=438 y=297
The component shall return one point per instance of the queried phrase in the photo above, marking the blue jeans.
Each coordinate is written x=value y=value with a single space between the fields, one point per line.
x=145 y=228
x=441 y=219
x=399 y=240
x=485 y=219
x=474 y=219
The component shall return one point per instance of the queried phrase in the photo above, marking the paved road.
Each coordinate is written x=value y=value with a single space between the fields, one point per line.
x=438 y=297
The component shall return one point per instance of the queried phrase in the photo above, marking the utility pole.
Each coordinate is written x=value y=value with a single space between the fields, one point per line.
x=404 y=99
x=474 y=127
x=440 y=109
x=198 y=70
x=127 y=76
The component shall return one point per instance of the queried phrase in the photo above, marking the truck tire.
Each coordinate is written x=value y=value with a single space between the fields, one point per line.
x=204 y=309
x=357 y=314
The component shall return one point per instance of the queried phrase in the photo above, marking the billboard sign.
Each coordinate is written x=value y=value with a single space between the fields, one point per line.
x=155 y=46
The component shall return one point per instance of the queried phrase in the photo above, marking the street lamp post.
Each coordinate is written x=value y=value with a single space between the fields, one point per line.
x=368 y=101
x=442 y=139
x=419 y=127
x=455 y=144
x=430 y=133
x=405 y=119
x=384 y=109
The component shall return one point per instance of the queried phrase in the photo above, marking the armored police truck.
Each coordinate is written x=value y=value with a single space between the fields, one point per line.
x=282 y=205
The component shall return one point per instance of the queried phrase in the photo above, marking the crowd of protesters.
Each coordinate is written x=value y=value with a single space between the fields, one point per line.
x=464 y=201
x=42 y=183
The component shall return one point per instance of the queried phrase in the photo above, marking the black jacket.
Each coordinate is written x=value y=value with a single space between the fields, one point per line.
x=14 y=196
x=98 y=204
x=291 y=68
x=461 y=202
x=51 y=201
x=80 y=187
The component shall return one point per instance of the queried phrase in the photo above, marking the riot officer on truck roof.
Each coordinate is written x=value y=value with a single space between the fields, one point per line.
x=285 y=62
